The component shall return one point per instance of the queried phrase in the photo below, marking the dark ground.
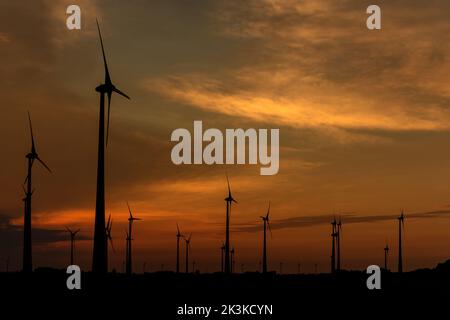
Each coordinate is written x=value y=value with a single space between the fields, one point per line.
x=158 y=295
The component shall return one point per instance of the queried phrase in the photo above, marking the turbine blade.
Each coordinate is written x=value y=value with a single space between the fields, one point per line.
x=107 y=77
x=129 y=210
x=33 y=147
x=270 y=229
x=42 y=162
x=268 y=211
x=107 y=122
x=108 y=222
x=112 y=245
x=121 y=93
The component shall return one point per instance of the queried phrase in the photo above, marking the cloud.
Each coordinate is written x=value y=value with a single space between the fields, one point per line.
x=302 y=65
x=346 y=218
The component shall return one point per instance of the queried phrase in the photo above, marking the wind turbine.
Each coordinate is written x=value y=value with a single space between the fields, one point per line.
x=179 y=235
x=401 y=226
x=130 y=238
x=232 y=260
x=386 y=253
x=338 y=239
x=229 y=200
x=99 y=261
x=266 y=225
x=333 y=245
x=108 y=237
x=188 y=244
x=31 y=156
x=222 y=251
x=72 y=242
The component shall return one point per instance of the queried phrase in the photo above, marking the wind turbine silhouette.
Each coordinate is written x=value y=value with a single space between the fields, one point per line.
x=222 y=251
x=130 y=238
x=99 y=261
x=401 y=225
x=333 y=245
x=338 y=239
x=229 y=200
x=108 y=237
x=27 y=249
x=386 y=253
x=72 y=242
x=179 y=235
x=266 y=225
x=232 y=260
x=188 y=244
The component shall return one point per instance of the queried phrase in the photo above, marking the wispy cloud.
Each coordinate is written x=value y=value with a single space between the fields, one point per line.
x=346 y=218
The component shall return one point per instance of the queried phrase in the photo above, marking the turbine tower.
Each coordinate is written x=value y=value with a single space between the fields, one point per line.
x=401 y=226
x=188 y=244
x=99 y=260
x=130 y=238
x=179 y=235
x=31 y=157
x=229 y=200
x=386 y=253
x=266 y=225
x=338 y=239
x=72 y=242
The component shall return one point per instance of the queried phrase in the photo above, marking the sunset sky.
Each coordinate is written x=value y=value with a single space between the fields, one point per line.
x=364 y=119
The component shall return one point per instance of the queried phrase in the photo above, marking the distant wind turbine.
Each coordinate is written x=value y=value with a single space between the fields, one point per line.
x=338 y=240
x=130 y=238
x=27 y=249
x=333 y=245
x=99 y=261
x=229 y=200
x=188 y=244
x=222 y=251
x=179 y=235
x=72 y=242
x=401 y=226
x=108 y=237
x=386 y=253
x=266 y=225
x=232 y=260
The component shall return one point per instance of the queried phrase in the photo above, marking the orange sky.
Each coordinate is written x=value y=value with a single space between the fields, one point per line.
x=363 y=117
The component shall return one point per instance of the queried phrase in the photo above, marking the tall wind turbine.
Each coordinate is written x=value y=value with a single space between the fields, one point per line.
x=401 y=226
x=72 y=242
x=266 y=225
x=99 y=261
x=333 y=245
x=188 y=244
x=338 y=240
x=386 y=253
x=179 y=235
x=32 y=156
x=229 y=200
x=130 y=238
